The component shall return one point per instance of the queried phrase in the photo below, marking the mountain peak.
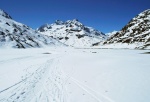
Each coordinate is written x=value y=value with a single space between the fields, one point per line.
x=75 y=20
x=72 y=33
x=59 y=22
x=4 y=14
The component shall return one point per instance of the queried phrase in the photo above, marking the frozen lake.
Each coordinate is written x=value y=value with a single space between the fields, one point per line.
x=74 y=75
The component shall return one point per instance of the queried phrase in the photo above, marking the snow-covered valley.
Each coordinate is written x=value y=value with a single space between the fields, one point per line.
x=74 y=75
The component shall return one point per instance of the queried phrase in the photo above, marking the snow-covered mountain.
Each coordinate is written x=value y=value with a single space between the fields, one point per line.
x=4 y=14
x=72 y=33
x=136 y=33
x=17 y=35
x=111 y=33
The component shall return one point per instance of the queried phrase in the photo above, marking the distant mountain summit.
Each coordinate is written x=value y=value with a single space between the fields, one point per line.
x=111 y=33
x=136 y=33
x=72 y=33
x=17 y=35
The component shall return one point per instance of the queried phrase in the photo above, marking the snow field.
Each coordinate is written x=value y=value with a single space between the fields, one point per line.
x=74 y=75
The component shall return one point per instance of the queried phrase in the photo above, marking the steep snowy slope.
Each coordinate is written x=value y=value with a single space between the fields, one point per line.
x=136 y=33
x=17 y=35
x=72 y=33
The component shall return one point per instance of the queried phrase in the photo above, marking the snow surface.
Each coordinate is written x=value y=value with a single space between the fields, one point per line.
x=74 y=75
x=123 y=46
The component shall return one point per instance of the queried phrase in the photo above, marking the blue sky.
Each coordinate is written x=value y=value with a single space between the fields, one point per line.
x=104 y=15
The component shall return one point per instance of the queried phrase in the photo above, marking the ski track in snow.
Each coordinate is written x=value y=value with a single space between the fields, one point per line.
x=96 y=95
x=99 y=97
x=57 y=76
x=46 y=84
